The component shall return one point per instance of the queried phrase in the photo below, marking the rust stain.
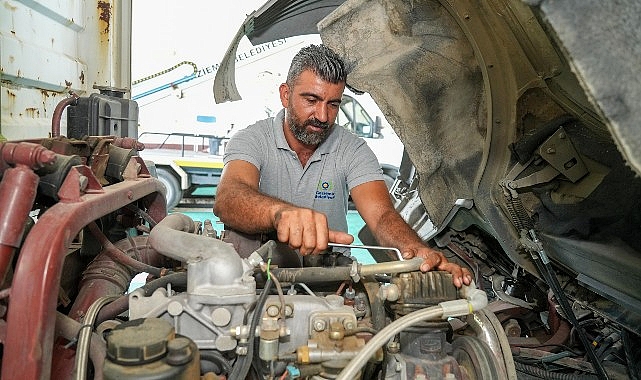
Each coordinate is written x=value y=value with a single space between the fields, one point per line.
x=31 y=112
x=105 y=13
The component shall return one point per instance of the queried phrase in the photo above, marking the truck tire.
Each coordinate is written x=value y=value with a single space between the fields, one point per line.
x=174 y=192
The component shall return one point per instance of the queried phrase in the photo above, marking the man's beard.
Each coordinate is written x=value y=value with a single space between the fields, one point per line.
x=299 y=129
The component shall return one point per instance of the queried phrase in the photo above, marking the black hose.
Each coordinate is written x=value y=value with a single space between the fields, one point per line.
x=243 y=364
x=543 y=374
x=218 y=359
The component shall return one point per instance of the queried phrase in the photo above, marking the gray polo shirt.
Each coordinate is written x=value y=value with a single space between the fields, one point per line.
x=342 y=162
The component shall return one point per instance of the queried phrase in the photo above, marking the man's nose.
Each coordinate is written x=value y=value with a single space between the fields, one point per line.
x=321 y=113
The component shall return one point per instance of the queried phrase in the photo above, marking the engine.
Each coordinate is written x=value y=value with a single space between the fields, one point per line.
x=251 y=320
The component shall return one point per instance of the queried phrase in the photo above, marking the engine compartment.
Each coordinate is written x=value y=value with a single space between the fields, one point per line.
x=84 y=216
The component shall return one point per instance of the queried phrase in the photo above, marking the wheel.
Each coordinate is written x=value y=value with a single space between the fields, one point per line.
x=174 y=192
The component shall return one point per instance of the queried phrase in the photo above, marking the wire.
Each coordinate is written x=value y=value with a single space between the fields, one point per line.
x=242 y=366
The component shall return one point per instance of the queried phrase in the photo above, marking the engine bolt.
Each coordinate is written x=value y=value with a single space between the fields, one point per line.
x=273 y=310
x=289 y=310
x=319 y=325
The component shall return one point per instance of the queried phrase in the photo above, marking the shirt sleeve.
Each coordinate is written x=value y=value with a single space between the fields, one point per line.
x=244 y=145
x=361 y=164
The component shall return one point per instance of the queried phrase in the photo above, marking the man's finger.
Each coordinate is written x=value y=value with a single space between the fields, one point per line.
x=340 y=237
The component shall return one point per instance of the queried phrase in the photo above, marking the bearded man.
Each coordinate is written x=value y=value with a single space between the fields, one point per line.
x=291 y=176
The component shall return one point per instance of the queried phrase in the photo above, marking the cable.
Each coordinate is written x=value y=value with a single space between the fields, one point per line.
x=544 y=266
x=142 y=214
x=242 y=365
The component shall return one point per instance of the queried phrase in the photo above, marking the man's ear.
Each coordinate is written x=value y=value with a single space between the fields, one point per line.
x=284 y=94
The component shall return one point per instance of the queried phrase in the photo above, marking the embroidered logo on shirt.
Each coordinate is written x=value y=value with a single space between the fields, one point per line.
x=325 y=190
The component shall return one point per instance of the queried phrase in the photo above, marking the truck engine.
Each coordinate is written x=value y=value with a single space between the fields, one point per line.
x=83 y=215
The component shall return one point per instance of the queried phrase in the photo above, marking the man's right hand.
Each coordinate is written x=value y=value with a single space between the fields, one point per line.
x=306 y=230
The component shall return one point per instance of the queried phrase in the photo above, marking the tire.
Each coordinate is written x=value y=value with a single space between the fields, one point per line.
x=174 y=192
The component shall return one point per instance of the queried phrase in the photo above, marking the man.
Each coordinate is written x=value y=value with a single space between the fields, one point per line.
x=293 y=173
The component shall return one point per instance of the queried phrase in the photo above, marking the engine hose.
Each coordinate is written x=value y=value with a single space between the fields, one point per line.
x=544 y=374
x=475 y=299
x=218 y=359
x=378 y=340
x=243 y=364
x=84 y=336
x=119 y=256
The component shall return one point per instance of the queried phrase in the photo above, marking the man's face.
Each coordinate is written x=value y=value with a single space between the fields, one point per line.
x=312 y=106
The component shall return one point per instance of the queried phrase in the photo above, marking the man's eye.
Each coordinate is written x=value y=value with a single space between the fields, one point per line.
x=334 y=105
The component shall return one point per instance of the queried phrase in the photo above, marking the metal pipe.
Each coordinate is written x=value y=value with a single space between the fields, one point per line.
x=404 y=266
x=174 y=237
x=57 y=113
x=32 y=313
x=18 y=190
x=84 y=337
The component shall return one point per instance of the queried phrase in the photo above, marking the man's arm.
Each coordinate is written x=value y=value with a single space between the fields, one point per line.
x=240 y=205
x=375 y=207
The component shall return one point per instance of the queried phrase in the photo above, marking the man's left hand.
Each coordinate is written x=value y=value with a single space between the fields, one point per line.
x=435 y=260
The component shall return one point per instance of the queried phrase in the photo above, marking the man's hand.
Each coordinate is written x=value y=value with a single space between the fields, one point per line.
x=434 y=259
x=306 y=230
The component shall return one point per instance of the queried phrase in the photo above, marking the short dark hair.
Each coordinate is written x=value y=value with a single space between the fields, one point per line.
x=322 y=61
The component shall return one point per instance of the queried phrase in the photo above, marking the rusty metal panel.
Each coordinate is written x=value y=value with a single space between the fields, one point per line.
x=48 y=48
